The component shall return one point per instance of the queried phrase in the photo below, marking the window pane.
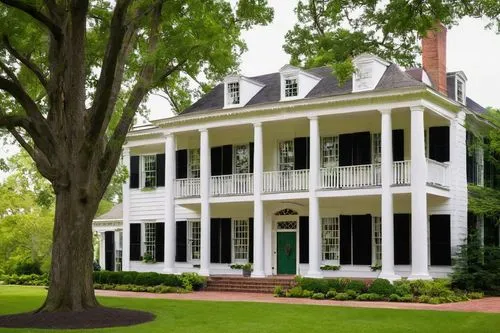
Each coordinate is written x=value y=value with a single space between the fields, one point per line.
x=241 y=159
x=233 y=93
x=330 y=238
x=377 y=240
x=330 y=152
x=149 y=173
x=150 y=239
x=195 y=231
x=240 y=239
x=286 y=155
x=194 y=163
x=376 y=148
x=291 y=87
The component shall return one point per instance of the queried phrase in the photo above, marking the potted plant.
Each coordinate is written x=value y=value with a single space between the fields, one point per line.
x=247 y=269
x=148 y=258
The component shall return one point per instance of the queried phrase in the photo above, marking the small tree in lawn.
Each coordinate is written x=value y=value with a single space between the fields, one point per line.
x=73 y=74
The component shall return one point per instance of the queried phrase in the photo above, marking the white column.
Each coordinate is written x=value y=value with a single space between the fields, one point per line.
x=126 y=222
x=419 y=229
x=205 y=203
x=387 y=271
x=314 y=215
x=169 y=264
x=258 y=207
x=102 y=250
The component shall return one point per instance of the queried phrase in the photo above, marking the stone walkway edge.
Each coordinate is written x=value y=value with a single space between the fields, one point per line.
x=487 y=304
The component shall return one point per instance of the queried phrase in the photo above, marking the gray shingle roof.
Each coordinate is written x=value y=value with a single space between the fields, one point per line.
x=115 y=213
x=327 y=86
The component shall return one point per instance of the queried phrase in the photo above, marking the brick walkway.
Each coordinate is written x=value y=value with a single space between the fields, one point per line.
x=489 y=304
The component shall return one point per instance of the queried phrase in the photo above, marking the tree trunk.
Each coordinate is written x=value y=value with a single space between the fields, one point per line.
x=71 y=282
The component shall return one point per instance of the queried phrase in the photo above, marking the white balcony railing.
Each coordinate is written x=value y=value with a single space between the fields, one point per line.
x=286 y=181
x=237 y=184
x=401 y=173
x=437 y=173
x=187 y=187
x=353 y=176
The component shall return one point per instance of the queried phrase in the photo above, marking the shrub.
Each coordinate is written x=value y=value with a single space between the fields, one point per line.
x=423 y=299
x=357 y=285
x=370 y=297
x=279 y=291
x=351 y=293
x=340 y=285
x=395 y=298
x=128 y=277
x=315 y=285
x=437 y=288
x=435 y=300
x=329 y=268
x=149 y=279
x=196 y=281
x=295 y=292
x=27 y=268
x=477 y=267
x=307 y=293
x=331 y=294
x=318 y=296
x=382 y=287
x=27 y=279
x=342 y=297
x=402 y=287
x=475 y=295
x=407 y=298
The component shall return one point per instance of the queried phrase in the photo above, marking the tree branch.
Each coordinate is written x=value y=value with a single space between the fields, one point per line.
x=36 y=14
x=25 y=61
x=12 y=120
x=112 y=72
x=9 y=73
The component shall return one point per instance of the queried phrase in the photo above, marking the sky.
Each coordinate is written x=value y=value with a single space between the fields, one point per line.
x=470 y=48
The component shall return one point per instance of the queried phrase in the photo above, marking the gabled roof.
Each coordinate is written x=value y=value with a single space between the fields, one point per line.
x=327 y=86
x=115 y=213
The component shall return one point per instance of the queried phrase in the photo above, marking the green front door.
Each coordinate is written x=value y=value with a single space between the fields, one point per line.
x=287 y=252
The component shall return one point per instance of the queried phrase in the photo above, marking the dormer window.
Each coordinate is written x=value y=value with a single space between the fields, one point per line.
x=291 y=87
x=460 y=91
x=233 y=93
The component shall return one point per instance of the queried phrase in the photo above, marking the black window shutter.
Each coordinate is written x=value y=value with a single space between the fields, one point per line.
x=301 y=153
x=227 y=160
x=181 y=241
x=251 y=148
x=160 y=169
x=361 y=239
x=439 y=143
x=181 y=163
x=216 y=161
x=402 y=239
x=345 y=240
x=109 y=250
x=345 y=149
x=134 y=171
x=304 y=239
x=160 y=242
x=250 y=239
x=361 y=148
x=440 y=240
x=214 y=240
x=398 y=145
x=225 y=241
x=135 y=241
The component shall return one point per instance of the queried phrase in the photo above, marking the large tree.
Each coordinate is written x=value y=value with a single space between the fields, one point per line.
x=332 y=32
x=73 y=75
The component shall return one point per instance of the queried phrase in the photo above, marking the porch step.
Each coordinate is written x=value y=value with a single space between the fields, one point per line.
x=247 y=284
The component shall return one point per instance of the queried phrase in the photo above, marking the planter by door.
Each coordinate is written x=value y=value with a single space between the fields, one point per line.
x=287 y=252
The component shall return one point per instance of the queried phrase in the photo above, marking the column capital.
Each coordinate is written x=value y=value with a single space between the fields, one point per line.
x=385 y=111
x=257 y=124
x=203 y=130
x=313 y=117
x=126 y=151
x=417 y=108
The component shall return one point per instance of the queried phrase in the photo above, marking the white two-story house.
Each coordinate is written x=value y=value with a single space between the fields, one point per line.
x=294 y=172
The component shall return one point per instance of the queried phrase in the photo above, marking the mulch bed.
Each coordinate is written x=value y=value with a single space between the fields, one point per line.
x=99 y=317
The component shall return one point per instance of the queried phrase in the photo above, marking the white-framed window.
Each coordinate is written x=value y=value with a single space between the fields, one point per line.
x=240 y=239
x=376 y=148
x=330 y=152
x=242 y=159
x=291 y=87
x=330 y=235
x=150 y=239
x=233 y=93
x=286 y=158
x=377 y=240
x=149 y=170
x=194 y=233
x=194 y=163
x=460 y=91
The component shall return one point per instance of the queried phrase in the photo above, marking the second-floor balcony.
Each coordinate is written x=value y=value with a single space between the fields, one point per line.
x=333 y=178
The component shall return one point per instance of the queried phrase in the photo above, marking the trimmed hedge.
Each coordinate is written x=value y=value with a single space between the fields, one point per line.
x=189 y=281
x=26 y=280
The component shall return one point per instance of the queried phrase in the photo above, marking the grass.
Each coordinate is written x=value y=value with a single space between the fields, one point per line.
x=199 y=316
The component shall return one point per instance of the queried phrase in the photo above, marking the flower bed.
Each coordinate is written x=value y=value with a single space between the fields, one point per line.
x=433 y=292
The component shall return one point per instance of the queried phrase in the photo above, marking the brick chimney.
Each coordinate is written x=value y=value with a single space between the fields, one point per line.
x=434 y=56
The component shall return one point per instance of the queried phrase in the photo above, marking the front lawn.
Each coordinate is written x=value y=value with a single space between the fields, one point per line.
x=198 y=316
